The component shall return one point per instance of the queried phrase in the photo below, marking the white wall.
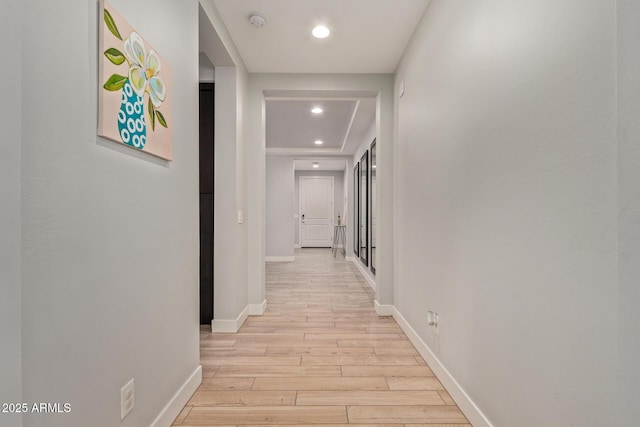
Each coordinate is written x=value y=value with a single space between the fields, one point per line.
x=230 y=244
x=206 y=70
x=242 y=123
x=110 y=235
x=629 y=212
x=255 y=200
x=279 y=206
x=338 y=197
x=229 y=272
x=506 y=213
x=10 y=190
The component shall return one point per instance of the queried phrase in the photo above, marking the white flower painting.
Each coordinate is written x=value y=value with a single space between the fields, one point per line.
x=135 y=93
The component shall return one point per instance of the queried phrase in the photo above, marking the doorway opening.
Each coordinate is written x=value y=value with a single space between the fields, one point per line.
x=207 y=173
x=312 y=144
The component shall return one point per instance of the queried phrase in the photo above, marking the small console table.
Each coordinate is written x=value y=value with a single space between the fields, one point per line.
x=339 y=236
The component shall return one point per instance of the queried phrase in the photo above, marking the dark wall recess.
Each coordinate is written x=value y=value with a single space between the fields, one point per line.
x=206 y=202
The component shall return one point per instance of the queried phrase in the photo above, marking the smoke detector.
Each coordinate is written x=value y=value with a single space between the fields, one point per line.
x=257 y=20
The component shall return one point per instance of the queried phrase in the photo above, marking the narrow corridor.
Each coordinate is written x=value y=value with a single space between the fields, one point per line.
x=320 y=355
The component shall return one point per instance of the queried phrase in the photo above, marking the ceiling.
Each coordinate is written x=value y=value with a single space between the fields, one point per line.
x=292 y=128
x=292 y=124
x=366 y=36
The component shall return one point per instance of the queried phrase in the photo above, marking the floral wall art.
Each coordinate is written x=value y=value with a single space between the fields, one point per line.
x=135 y=92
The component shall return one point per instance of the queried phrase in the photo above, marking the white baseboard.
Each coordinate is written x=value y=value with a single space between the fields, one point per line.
x=364 y=272
x=177 y=402
x=258 y=309
x=383 y=309
x=280 y=258
x=230 y=326
x=464 y=402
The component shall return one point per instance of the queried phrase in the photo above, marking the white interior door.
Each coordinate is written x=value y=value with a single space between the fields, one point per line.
x=316 y=211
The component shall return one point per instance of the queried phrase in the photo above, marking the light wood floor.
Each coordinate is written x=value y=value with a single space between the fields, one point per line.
x=320 y=355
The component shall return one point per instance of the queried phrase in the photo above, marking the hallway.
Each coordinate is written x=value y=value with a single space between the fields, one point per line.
x=319 y=355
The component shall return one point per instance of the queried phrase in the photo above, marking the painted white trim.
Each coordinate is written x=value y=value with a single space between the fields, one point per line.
x=273 y=95
x=280 y=258
x=304 y=151
x=233 y=326
x=464 y=402
x=353 y=117
x=230 y=326
x=258 y=309
x=364 y=272
x=297 y=246
x=383 y=309
x=174 y=406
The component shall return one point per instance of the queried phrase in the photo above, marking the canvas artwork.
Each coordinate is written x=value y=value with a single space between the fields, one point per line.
x=135 y=92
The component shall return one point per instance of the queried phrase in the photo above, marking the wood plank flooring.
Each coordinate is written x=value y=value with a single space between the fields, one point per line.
x=320 y=356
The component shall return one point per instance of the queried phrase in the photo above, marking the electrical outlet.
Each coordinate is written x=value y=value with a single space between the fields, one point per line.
x=127 y=399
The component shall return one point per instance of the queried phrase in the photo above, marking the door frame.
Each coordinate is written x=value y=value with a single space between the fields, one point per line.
x=333 y=202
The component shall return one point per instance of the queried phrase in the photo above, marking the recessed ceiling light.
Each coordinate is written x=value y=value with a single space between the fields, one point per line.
x=316 y=110
x=321 y=32
x=318 y=142
x=316 y=164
